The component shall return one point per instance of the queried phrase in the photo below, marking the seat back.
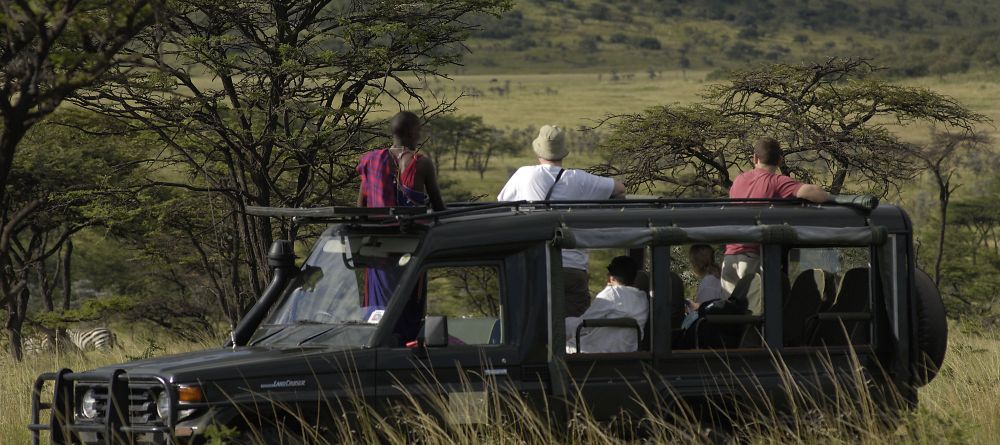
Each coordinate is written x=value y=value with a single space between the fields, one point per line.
x=845 y=314
x=801 y=304
x=746 y=288
x=853 y=292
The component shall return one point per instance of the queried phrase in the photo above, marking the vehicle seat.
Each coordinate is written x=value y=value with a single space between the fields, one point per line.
x=802 y=304
x=729 y=329
x=850 y=312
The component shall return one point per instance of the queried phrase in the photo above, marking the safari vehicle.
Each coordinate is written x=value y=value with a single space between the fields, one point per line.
x=837 y=290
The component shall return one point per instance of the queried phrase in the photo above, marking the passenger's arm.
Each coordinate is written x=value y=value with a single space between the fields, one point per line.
x=812 y=193
x=426 y=167
x=619 y=190
x=361 y=197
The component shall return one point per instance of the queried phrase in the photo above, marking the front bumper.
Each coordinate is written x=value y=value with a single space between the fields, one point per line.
x=124 y=409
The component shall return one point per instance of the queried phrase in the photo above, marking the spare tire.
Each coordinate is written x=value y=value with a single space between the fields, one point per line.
x=932 y=330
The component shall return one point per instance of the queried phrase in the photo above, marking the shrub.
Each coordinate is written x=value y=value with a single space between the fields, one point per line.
x=647 y=43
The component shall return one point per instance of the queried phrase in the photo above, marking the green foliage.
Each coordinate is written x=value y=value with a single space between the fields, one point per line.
x=220 y=434
x=90 y=310
x=829 y=118
x=267 y=104
x=970 y=280
x=152 y=349
x=913 y=38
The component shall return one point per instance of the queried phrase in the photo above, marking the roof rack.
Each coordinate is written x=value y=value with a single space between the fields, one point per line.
x=336 y=213
x=862 y=202
x=466 y=208
x=399 y=214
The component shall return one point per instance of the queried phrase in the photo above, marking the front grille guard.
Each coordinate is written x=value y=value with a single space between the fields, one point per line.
x=116 y=428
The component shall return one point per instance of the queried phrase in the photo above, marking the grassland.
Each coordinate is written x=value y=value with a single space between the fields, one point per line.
x=959 y=406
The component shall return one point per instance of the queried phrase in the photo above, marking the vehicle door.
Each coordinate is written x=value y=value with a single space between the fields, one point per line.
x=480 y=355
x=608 y=383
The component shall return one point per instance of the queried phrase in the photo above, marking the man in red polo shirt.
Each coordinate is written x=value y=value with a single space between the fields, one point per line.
x=764 y=181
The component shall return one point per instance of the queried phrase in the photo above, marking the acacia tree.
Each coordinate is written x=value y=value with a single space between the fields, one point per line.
x=64 y=180
x=450 y=133
x=266 y=103
x=480 y=153
x=830 y=117
x=48 y=50
x=689 y=150
x=943 y=157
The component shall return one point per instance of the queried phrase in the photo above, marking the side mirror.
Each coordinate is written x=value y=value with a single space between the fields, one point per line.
x=435 y=331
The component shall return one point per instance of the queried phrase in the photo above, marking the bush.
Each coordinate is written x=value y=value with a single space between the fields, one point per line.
x=647 y=43
x=521 y=43
x=509 y=25
x=600 y=11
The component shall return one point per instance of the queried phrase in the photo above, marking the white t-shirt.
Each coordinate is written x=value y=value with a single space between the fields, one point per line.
x=709 y=289
x=532 y=182
x=612 y=302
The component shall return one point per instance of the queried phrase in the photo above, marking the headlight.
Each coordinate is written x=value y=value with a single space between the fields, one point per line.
x=162 y=405
x=88 y=405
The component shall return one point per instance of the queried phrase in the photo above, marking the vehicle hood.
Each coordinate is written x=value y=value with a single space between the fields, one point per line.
x=244 y=362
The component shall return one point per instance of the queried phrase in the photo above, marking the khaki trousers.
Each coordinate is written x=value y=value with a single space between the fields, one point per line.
x=735 y=267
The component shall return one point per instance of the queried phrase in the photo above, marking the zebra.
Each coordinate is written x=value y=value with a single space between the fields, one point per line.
x=95 y=338
x=99 y=338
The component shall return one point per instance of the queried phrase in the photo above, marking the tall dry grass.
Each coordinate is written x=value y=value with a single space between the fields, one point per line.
x=960 y=406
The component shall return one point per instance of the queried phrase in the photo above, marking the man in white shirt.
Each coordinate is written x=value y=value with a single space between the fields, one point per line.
x=549 y=181
x=618 y=300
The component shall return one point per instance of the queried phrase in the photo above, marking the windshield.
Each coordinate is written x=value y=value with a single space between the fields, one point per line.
x=345 y=280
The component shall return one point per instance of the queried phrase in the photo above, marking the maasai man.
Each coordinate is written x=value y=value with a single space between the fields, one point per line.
x=397 y=176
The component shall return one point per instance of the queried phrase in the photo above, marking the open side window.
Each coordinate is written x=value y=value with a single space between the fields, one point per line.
x=470 y=296
x=830 y=302
x=607 y=310
x=714 y=315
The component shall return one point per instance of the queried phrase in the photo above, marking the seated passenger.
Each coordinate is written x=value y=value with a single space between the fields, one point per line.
x=702 y=258
x=620 y=299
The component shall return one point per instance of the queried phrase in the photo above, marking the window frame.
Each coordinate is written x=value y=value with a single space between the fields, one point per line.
x=496 y=263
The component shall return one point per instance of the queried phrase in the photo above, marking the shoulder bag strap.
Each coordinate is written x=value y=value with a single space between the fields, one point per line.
x=553 y=187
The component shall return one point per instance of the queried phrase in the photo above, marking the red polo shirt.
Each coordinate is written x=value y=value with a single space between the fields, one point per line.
x=760 y=183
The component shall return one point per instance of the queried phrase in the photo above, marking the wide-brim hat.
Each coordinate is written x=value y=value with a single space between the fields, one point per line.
x=550 y=143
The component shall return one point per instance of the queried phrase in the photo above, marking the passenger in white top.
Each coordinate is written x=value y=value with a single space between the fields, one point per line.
x=702 y=259
x=549 y=181
x=619 y=300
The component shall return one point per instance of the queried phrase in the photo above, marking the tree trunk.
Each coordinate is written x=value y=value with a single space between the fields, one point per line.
x=66 y=275
x=11 y=134
x=17 y=305
x=454 y=158
x=944 y=194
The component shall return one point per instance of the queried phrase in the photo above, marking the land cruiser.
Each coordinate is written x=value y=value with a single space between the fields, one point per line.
x=837 y=293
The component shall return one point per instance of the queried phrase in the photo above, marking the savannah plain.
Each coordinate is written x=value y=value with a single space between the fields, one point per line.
x=962 y=405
